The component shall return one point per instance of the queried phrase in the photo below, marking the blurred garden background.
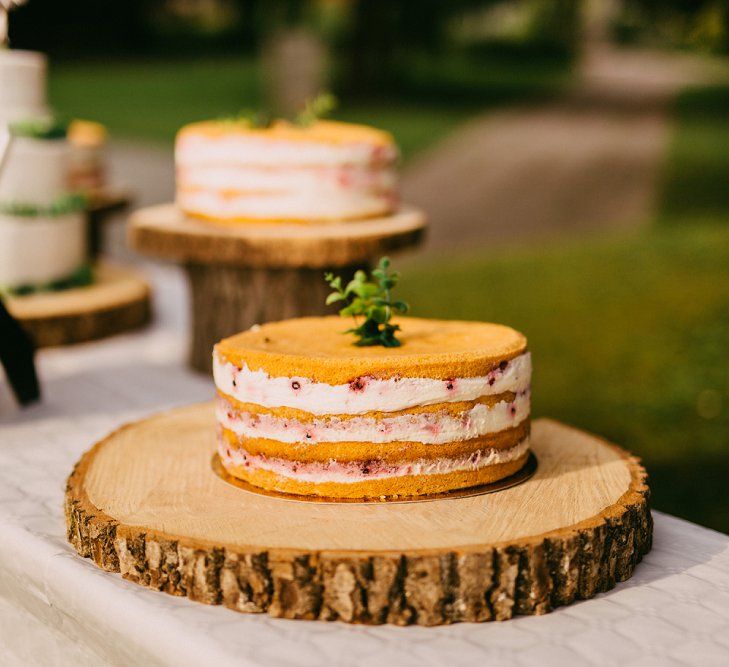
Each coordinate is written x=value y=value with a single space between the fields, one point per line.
x=573 y=156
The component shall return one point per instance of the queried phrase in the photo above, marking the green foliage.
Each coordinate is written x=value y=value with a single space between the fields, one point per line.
x=371 y=300
x=40 y=128
x=71 y=203
x=314 y=109
x=81 y=277
x=250 y=118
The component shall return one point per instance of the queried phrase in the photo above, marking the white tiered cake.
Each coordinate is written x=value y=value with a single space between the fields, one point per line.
x=23 y=84
x=42 y=229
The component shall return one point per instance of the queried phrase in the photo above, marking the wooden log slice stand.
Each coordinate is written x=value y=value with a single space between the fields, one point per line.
x=241 y=275
x=116 y=302
x=145 y=502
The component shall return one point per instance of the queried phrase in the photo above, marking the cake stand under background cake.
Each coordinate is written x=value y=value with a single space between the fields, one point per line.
x=145 y=502
x=102 y=205
x=246 y=274
x=117 y=301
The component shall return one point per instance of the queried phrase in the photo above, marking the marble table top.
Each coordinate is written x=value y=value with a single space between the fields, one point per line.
x=56 y=608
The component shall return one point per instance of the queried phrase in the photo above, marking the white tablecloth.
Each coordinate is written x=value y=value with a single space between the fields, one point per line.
x=58 y=609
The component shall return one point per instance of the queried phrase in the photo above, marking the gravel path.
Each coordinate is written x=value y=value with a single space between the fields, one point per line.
x=588 y=162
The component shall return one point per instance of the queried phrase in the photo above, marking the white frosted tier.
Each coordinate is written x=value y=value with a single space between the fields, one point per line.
x=36 y=171
x=22 y=85
x=431 y=428
x=370 y=394
x=36 y=250
x=339 y=472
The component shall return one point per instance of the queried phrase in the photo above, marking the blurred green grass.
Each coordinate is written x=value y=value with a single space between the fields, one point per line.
x=697 y=171
x=630 y=334
x=151 y=99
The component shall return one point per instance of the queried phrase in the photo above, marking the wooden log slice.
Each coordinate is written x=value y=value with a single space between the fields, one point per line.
x=165 y=232
x=116 y=302
x=145 y=502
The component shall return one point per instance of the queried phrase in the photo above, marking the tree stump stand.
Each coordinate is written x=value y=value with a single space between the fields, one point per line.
x=146 y=502
x=241 y=275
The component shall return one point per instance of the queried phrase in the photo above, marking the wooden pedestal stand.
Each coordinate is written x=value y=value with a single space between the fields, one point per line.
x=117 y=302
x=102 y=204
x=145 y=502
x=241 y=275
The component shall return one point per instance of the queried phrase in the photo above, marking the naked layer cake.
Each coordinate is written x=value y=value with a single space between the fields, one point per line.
x=230 y=171
x=303 y=411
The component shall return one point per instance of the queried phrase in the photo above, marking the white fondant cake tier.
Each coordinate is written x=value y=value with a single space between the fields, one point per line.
x=22 y=85
x=36 y=250
x=36 y=171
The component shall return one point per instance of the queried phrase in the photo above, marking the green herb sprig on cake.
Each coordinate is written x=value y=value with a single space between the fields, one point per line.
x=314 y=109
x=370 y=299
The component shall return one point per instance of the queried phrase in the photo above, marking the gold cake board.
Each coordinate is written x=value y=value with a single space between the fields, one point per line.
x=116 y=302
x=246 y=273
x=146 y=502
x=518 y=477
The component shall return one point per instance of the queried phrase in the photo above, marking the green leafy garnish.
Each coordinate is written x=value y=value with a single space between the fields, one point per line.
x=81 y=277
x=71 y=203
x=39 y=128
x=314 y=109
x=372 y=300
x=250 y=118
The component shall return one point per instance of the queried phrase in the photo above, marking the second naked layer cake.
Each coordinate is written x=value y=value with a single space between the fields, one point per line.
x=302 y=411
x=229 y=171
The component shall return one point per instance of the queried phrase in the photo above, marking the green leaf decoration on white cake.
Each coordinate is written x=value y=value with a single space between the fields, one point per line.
x=71 y=203
x=39 y=128
x=81 y=277
x=371 y=299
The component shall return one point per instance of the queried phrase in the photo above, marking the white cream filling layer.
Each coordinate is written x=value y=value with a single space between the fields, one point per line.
x=323 y=180
x=365 y=394
x=361 y=471
x=285 y=205
x=232 y=149
x=428 y=427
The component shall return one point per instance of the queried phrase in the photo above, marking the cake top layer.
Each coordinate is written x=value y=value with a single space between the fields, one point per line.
x=320 y=132
x=22 y=84
x=316 y=348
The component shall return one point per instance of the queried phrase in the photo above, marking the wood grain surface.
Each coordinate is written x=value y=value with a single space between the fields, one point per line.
x=145 y=502
x=117 y=301
x=229 y=299
x=165 y=232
